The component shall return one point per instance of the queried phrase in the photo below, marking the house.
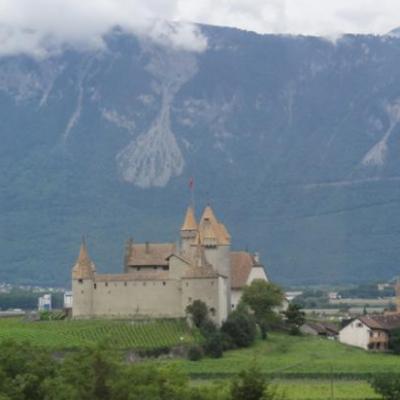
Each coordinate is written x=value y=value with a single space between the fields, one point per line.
x=370 y=332
x=324 y=329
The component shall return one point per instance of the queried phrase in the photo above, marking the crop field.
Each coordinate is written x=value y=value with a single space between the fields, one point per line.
x=325 y=390
x=297 y=357
x=60 y=335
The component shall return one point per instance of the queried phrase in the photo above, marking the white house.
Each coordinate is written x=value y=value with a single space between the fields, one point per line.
x=44 y=303
x=370 y=332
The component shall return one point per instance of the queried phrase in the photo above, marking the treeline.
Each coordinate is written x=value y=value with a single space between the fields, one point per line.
x=27 y=299
x=29 y=373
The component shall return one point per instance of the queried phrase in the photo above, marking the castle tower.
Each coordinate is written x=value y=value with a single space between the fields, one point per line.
x=216 y=243
x=83 y=274
x=189 y=231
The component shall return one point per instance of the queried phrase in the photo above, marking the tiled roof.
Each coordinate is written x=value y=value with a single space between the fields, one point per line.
x=241 y=265
x=84 y=266
x=384 y=322
x=211 y=229
x=150 y=254
x=323 y=328
x=189 y=224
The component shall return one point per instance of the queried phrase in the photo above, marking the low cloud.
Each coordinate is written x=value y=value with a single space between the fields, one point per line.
x=39 y=27
x=42 y=27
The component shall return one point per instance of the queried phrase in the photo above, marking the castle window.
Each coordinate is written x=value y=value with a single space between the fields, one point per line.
x=125 y=283
x=212 y=311
x=165 y=268
x=138 y=268
x=164 y=283
x=144 y=283
x=80 y=280
x=95 y=285
x=106 y=283
x=81 y=291
x=154 y=267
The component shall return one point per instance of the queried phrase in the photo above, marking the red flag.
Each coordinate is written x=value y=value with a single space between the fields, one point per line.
x=191 y=182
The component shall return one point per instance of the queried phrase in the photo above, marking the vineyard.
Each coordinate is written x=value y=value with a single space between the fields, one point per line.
x=118 y=334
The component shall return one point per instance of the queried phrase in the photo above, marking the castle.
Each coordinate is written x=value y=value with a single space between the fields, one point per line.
x=161 y=279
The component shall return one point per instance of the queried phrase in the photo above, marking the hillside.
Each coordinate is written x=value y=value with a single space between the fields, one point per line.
x=294 y=140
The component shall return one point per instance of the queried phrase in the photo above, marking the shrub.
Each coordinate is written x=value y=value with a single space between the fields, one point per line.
x=294 y=331
x=195 y=353
x=240 y=329
x=198 y=311
x=388 y=386
x=213 y=345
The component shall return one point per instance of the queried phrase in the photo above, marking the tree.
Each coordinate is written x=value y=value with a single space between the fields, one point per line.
x=394 y=341
x=198 y=311
x=262 y=297
x=386 y=385
x=240 y=329
x=294 y=317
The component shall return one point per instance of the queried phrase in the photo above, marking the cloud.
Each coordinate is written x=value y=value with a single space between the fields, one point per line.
x=40 y=27
x=310 y=17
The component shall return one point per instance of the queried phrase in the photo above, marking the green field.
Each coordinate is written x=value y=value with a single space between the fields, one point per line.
x=60 y=335
x=292 y=356
x=324 y=390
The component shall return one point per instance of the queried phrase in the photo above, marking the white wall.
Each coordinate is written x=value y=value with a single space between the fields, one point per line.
x=257 y=273
x=355 y=334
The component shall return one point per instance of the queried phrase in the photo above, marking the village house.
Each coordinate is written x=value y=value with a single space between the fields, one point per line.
x=324 y=329
x=370 y=332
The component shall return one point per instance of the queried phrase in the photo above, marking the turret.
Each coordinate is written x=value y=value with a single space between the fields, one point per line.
x=83 y=276
x=189 y=231
x=216 y=242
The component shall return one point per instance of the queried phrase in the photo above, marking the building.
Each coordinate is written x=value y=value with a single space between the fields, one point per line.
x=161 y=279
x=321 y=328
x=370 y=332
x=44 y=302
x=67 y=300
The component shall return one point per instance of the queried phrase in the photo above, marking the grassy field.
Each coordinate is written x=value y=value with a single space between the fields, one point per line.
x=291 y=356
x=59 y=335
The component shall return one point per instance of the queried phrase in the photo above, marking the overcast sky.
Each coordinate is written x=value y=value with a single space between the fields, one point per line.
x=40 y=26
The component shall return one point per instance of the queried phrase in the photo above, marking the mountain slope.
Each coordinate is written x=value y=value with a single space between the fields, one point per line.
x=294 y=140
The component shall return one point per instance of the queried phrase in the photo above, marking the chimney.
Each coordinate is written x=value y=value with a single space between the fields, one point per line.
x=257 y=258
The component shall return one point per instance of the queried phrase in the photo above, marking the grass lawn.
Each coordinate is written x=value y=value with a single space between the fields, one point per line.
x=291 y=355
x=60 y=335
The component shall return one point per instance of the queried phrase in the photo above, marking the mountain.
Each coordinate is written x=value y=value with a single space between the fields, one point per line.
x=294 y=140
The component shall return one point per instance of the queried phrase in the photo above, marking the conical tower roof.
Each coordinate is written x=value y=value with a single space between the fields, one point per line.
x=84 y=267
x=211 y=228
x=189 y=224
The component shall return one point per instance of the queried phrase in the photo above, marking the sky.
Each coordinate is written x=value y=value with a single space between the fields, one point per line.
x=40 y=27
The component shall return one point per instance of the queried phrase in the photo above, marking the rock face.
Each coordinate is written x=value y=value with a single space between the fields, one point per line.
x=295 y=141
